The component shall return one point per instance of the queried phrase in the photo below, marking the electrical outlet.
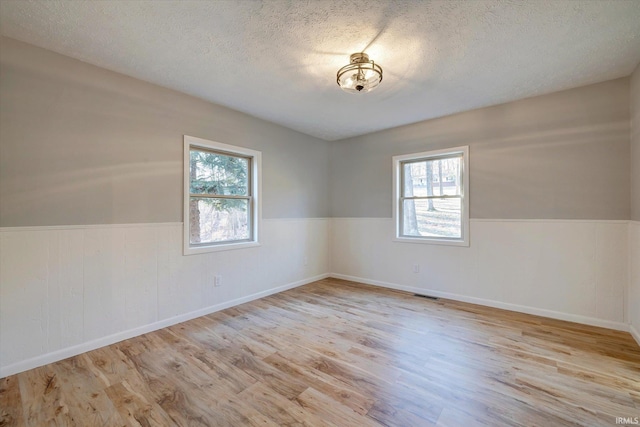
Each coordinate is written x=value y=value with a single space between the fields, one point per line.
x=416 y=268
x=217 y=280
x=306 y=260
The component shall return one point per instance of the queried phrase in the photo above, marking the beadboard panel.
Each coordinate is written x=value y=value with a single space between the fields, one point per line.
x=573 y=270
x=65 y=288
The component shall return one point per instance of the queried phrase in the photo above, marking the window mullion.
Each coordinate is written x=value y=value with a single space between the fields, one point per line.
x=217 y=196
x=444 y=196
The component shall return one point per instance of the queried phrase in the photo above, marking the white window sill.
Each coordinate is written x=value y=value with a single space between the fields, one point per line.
x=193 y=250
x=428 y=241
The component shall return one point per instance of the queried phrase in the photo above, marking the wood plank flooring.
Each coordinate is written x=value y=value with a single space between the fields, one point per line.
x=337 y=353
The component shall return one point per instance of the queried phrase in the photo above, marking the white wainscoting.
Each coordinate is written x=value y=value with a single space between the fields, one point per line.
x=634 y=280
x=70 y=289
x=67 y=290
x=574 y=270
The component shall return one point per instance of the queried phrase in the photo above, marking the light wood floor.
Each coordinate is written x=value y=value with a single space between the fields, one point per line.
x=339 y=353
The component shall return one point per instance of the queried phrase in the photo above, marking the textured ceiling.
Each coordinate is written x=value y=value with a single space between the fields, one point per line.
x=277 y=59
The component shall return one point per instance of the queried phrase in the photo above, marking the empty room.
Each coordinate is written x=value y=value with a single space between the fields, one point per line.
x=319 y=213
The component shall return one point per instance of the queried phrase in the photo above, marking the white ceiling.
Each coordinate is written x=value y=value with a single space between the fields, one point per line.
x=277 y=59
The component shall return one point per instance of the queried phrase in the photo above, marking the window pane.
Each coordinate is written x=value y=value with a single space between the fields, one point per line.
x=218 y=220
x=432 y=218
x=212 y=173
x=432 y=178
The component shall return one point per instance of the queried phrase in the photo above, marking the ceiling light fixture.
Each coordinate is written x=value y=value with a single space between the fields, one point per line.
x=361 y=75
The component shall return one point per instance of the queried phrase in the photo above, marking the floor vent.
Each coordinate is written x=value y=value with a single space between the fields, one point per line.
x=426 y=296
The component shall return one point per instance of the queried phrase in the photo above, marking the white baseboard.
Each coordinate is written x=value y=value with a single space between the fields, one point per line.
x=619 y=326
x=121 y=336
x=634 y=333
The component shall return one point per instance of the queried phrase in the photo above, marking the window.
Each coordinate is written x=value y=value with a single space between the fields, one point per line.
x=221 y=203
x=431 y=200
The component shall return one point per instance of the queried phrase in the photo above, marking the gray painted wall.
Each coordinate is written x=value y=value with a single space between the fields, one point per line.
x=635 y=145
x=83 y=145
x=559 y=156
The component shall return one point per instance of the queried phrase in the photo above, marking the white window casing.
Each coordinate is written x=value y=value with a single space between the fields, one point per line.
x=251 y=197
x=432 y=225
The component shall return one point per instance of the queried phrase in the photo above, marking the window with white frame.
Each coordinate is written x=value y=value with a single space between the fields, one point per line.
x=221 y=203
x=431 y=196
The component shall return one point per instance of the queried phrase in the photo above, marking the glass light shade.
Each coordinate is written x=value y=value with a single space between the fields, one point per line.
x=361 y=75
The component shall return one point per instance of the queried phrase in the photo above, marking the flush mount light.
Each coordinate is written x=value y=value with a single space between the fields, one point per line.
x=361 y=75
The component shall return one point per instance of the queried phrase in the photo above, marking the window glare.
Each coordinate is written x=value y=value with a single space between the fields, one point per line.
x=433 y=218
x=214 y=173
x=432 y=178
x=218 y=220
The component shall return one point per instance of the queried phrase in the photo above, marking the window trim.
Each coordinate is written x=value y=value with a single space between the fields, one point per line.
x=255 y=203
x=397 y=162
